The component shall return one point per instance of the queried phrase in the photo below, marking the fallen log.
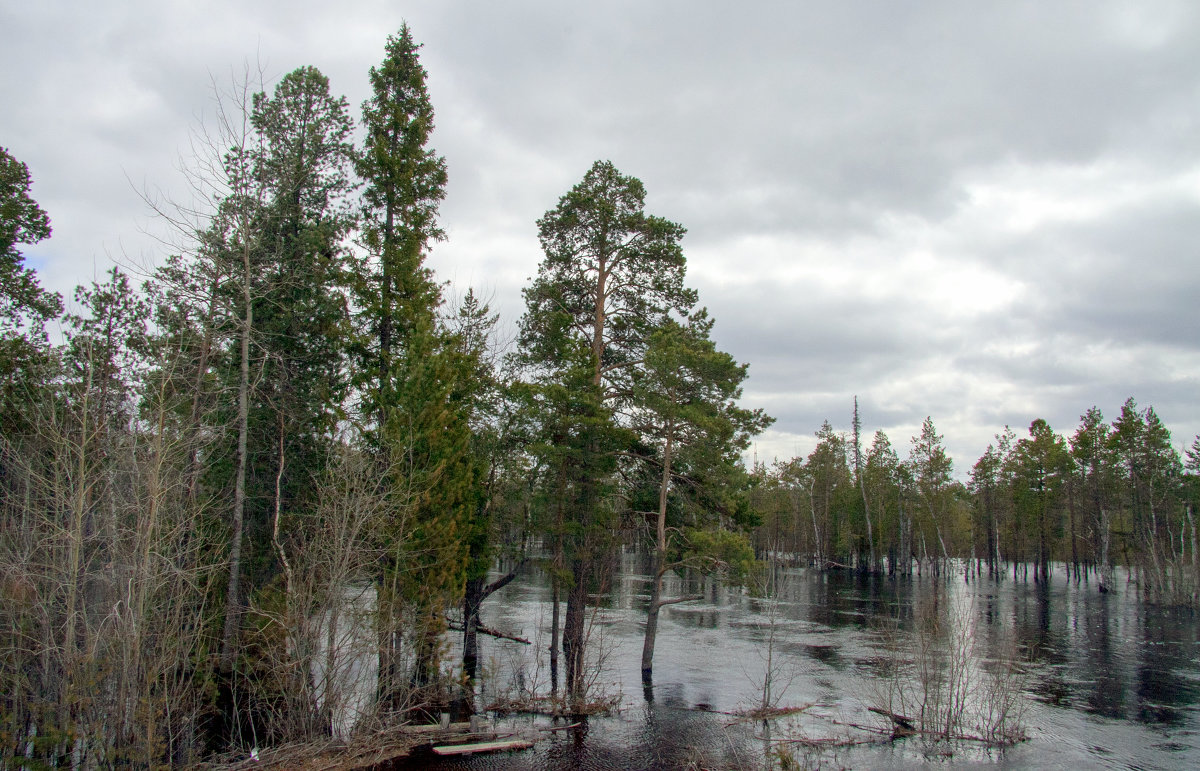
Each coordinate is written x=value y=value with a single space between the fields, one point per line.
x=501 y=635
x=561 y=727
x=481 y=629
x=900 y=721
x=470 y=749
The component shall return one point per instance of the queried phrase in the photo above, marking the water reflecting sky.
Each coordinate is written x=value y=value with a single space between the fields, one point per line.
x=1108 y=682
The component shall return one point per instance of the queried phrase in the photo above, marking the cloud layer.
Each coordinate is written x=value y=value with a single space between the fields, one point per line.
x=985 y=213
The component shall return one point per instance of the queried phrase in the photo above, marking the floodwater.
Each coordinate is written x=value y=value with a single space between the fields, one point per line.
x=1099 y=681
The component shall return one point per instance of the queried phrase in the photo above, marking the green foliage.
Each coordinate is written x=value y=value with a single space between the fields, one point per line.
x=25 y=358
x=882 y=482
x=289 y=220
x=403 y=184
x=301 y=311
x=612 y=274
x=685 y=406
x=1149 y=471
x=721 y=551
x=932 y=471
x=22 y=302
x=108 y=346
x=610 y=277
x=1039 y=469
x=420 y=384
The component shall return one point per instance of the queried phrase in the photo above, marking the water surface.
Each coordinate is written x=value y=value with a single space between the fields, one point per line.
x=1107 y=682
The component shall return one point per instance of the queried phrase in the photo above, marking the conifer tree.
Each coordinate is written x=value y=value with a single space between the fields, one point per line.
x=24 y=306
x=881 y=479
x=283 y=227
x=859 y=477
x=985 y=486
x=404 y=183
x=1040 y=469
x=1191 y=503
x=931 y=472
x=416 y=377
x=686 y=409
x=1091 y=449
x=610 y=276
x=1150 y=470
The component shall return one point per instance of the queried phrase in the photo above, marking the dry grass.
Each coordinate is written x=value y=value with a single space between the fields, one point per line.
x=359 y=752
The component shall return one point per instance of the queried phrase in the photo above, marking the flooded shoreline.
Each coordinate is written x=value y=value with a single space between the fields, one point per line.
x=1106 y=682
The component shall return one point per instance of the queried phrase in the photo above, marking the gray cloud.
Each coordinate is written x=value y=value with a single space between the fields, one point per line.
x=981 y=212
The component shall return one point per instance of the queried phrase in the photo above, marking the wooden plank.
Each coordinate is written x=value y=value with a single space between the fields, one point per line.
x=468 y=749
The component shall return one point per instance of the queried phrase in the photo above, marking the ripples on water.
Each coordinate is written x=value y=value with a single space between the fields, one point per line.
x=1112 y=683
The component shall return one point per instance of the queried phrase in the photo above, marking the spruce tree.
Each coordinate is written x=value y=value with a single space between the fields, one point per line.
x=1040 y=467
x=415 y=375
x=932 y=474
x=404 y=182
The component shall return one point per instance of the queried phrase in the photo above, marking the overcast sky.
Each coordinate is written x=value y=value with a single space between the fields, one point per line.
x=981 y=212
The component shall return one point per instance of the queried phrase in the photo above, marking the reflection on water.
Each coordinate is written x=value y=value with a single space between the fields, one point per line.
x=1112 y=683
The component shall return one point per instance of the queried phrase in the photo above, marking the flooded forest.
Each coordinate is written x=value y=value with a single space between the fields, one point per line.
x=282 y=498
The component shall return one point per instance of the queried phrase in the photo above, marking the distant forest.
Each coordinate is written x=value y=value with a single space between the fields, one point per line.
x=196 y=481
x=1111 y=494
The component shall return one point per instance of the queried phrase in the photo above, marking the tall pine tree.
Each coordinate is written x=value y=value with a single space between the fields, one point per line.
x=611 y=275
x=686 y=412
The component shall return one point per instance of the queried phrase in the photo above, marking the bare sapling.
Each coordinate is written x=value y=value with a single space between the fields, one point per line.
x=942 y=683
x=778 y=670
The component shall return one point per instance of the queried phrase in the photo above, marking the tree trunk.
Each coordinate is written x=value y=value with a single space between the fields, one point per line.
x=573 y=634
x=660 y=557
x=862 y=486
x=812 y=507
x=472 y=600
x=233 y=604
x=652 y=622
x=1105 y=574
x=1187 y=510
x=1074 y=536
x=385 y=307
x=554 y=627
x=942 y=545
x=473 y=596
x=388 y=694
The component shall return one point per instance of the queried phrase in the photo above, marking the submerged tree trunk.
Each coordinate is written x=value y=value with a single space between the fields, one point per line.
x=473 y=596
x=1105 y=572
x=472 y=600
x=573 y=641
x=554 y=626
x=389 y=695
x=942 y=544
x=660 y=558
x=652 y=621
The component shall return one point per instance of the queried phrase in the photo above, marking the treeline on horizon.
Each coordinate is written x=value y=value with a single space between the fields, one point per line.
x=1110 y=494
x=285 y=443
